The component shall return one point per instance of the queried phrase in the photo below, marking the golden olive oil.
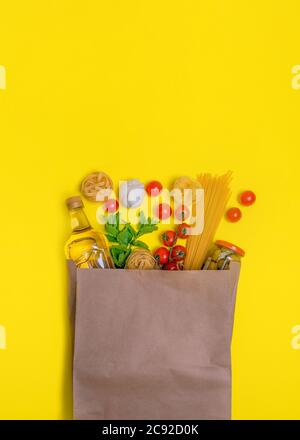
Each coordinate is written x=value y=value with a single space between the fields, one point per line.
x=86 y=247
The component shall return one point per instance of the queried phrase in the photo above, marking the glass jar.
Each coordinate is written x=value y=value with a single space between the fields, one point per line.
x=221 y=255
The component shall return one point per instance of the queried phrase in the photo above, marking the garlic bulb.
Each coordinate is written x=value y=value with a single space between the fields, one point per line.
x=132 y=193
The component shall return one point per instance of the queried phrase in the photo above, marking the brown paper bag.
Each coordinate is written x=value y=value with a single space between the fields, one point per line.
x=152 y=344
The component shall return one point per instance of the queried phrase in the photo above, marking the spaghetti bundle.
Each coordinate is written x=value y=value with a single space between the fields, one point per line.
x=216 y=195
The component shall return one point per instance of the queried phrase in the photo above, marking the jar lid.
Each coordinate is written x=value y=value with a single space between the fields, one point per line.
x=231 y=246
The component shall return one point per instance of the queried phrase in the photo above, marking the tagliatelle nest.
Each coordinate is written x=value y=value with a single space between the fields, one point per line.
x=96 y=186
x=141 y=259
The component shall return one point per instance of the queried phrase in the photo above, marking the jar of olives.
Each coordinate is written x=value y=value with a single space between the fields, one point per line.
x=221 y=255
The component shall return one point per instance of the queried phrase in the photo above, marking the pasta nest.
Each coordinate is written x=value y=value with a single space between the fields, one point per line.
x=96 y=186
x=141 y=259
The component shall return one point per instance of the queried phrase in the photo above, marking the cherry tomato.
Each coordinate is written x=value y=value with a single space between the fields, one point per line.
x=169 y=238
x=111 y=206
x=182 y=213
x=162 y=255
x=154 y=188
x=183 y=230
x=233 y=215
x=164 y=211
x=247 y=198
x=171 y=266
x=178 y=253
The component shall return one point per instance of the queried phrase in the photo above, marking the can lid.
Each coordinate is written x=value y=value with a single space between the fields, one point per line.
x=74 y=202
x=230 y=246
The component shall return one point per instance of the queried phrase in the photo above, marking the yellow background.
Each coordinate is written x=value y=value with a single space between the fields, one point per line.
x=149 y=90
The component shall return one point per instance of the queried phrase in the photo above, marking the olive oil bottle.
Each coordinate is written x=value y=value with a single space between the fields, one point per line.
x=86 y=247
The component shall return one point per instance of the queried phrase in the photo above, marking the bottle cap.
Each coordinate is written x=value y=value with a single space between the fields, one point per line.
x=74 y=202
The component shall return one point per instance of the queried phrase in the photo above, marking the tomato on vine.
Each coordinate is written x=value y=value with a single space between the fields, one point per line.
x=178 y=253
x=171 y=266
x=154 y=188
x=169 y=238
x=183 y=230
x=111 y=206
x=162 y=255
x=164 y=211
x=182 y=213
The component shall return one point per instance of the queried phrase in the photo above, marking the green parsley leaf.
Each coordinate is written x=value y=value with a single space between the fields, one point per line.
x=141 y=244
x=125 y=236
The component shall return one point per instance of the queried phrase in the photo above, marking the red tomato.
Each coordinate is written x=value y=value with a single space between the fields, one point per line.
x=182 y=213
x=178 y=253
x=171 y=266
x=234 y=215
x=162 y=255
x=247 y=198
x=169 y=238
x=154 y=188
x=164 y=211
x=111 y=206
x=183 y=230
